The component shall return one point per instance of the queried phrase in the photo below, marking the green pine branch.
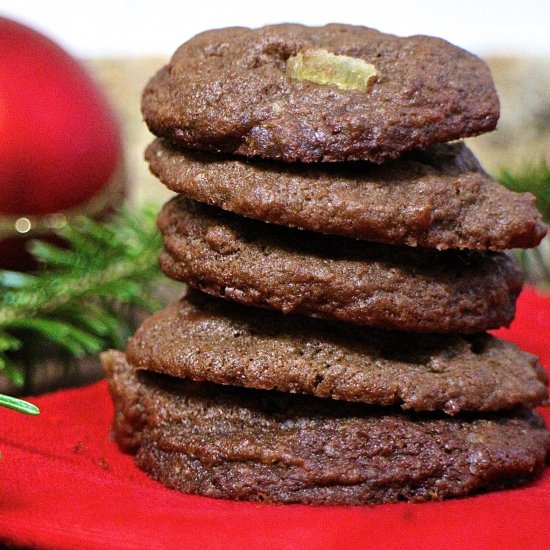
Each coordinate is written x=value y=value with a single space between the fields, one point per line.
x=535 y=178
x=76 y=299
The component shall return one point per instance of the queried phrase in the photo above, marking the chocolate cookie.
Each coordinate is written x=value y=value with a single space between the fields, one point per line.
x=256 y=445
x=208 y=339
x=293 y=271
x=233 y=90
x=439 y=198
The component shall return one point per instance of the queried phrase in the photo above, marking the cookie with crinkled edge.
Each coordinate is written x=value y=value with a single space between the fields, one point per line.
x=207 y=339
x=230 y=90
x=267 y=446
x=293 y=271
x=439 y=198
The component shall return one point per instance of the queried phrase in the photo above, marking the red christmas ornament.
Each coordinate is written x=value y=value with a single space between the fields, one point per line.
x=60 y=150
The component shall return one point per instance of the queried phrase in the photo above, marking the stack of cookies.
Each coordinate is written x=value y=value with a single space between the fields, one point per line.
x=343 y=264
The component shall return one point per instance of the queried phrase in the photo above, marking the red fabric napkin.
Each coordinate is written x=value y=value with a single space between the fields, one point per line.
x=64 y=484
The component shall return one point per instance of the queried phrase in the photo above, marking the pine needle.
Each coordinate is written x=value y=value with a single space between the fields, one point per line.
x=18 y=405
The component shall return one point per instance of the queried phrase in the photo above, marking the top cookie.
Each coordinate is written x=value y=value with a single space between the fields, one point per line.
x=231 y=90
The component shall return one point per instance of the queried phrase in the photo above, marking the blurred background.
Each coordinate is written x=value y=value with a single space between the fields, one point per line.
x=124 y=42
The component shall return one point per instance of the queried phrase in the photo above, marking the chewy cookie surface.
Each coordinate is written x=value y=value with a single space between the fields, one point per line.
x=207 y=339
x=400 y=288
x=254 y=445
x=230 y=90
x=438 y=198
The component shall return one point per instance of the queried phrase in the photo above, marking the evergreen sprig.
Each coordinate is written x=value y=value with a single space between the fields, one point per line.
x=535 y=178
x=76 y=299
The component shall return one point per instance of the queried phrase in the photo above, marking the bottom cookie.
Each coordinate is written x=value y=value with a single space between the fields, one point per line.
x=258 y=445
